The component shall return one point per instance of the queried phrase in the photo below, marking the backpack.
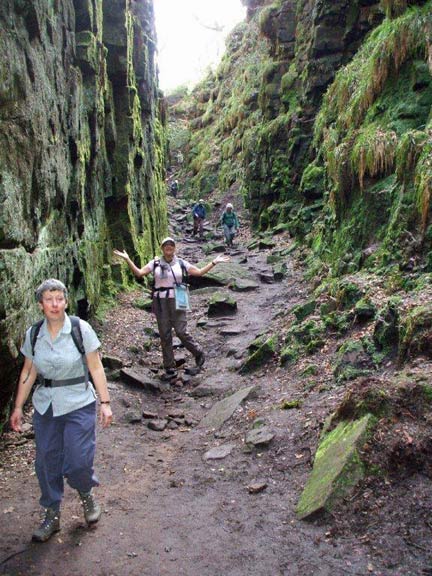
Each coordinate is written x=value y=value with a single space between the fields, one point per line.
x=76 y=337
x=156 y=264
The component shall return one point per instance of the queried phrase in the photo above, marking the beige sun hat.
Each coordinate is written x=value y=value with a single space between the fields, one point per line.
x=166 y=240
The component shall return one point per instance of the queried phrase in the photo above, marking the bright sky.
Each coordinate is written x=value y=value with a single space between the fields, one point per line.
x=186 y=44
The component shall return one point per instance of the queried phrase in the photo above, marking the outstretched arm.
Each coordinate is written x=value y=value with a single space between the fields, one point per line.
x=194 y=271
x=139 y=272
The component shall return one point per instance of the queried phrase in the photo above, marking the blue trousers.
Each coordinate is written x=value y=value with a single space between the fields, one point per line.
x=65 y=448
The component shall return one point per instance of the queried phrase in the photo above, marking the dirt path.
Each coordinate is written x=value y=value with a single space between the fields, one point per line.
x=170 y=512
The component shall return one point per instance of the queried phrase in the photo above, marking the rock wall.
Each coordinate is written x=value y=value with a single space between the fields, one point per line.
x=320 y=112
x=82 y=153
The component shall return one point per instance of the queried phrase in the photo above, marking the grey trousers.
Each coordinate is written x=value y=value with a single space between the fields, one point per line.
x=168 y=318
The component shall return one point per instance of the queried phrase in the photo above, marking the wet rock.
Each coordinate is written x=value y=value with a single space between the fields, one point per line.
x=266 y=277
x=224 y=409
x=219 y=452
x=231 y=332
x=112 y=362
x=157 y=425
x=260 y=436
x=337 y=467
x=133 y=417
x=244 y=285
x=142 y=378
x=260 y=352
x=214 y=389
x=221 y=304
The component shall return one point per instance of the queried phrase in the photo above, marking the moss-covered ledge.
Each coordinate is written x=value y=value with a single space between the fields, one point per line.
x=337 y=467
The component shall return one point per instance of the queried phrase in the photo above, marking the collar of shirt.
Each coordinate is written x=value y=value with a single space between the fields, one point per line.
x=66 y=328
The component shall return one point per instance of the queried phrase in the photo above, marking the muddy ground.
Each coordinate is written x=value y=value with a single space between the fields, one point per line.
x=169 y=511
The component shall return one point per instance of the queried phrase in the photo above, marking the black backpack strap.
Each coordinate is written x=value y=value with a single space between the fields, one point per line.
x=79 y=343
x=153 y=282
x=184 y=271
x=34 y=331
x=77 y=334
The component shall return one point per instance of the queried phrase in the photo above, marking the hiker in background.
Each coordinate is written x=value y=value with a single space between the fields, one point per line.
x=230 y=224
x=199 y=214
x=64 y=404
x=174 y=188
x=168 y=271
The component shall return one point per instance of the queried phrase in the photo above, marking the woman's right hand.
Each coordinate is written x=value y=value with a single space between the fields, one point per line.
x=124 y=255
x=15 y=420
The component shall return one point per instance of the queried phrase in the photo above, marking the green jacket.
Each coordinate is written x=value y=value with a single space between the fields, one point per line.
x=229 y=219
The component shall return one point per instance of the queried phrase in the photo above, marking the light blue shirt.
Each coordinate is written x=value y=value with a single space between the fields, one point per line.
x=60 y=359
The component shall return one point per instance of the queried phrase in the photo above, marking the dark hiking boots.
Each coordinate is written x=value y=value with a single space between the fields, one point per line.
x=50 y=525
x=168 y=375
x=92 y=510
x=200 y=359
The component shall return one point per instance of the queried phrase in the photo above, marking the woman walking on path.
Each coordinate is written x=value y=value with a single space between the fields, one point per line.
x=230 y=223
x=64 y=404
x=169 y=271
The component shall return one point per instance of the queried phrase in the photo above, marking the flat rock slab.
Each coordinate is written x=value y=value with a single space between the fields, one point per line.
x=219 y=452
x=213 y=389
x=224 y=409
x=260 y=436
x=244 y=285
x=222 y=274
x=142 y=378
x=337 y=467
x=231 y=332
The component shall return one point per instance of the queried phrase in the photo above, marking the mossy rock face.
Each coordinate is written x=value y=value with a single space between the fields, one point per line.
x=337 y=467
x=263 y=349
x=352 y=361
x=308 y=334
x=266 y=243
x=364 y=310
x=302 y=311
x=386 y=333
x=221 y=305
x=289 y=355
x=416 y=333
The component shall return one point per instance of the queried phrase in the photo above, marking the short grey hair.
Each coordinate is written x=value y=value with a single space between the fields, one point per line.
x=50 y=285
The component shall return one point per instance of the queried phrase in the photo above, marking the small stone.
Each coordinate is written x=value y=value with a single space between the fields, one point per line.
x=260 y=436
x=149 y=415
x=219 y=452
x=256 y=487
x=133 y=417
x=157 y=425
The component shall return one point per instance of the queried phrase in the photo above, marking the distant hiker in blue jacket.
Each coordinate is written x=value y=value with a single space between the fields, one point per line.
x=199 y=214
x=230 y=223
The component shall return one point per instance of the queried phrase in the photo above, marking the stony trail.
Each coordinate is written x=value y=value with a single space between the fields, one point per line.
x=170 y=511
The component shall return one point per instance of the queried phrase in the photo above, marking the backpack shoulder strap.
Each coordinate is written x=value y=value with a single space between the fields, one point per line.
x=184 y=271
x=79 y=343
x=34 y=331
x=77 y=334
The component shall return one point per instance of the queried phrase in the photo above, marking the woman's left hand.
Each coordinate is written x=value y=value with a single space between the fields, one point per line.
x=221 y=258
x=105 y=415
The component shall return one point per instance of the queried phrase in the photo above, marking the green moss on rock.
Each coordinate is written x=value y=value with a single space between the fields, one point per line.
x=337 y=467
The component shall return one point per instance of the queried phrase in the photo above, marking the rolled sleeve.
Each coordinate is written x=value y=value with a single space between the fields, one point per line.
x=90 y=341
